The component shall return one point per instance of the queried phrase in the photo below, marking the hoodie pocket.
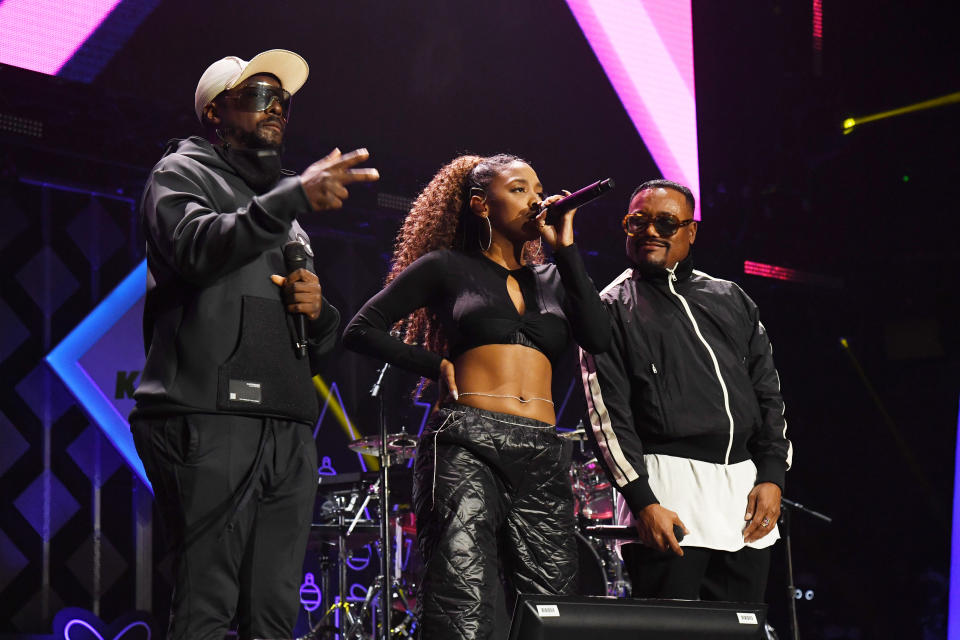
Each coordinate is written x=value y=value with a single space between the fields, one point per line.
x=263 y=376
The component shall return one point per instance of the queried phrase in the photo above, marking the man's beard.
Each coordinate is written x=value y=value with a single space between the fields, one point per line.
x=644 y=261
x=257 y=139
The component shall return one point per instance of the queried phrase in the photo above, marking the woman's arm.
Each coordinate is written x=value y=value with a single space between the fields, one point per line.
x=369 y=331
x=585 y=313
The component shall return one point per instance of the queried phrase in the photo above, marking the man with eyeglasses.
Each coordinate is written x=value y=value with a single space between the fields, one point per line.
x=225 y=408
x=685 y=410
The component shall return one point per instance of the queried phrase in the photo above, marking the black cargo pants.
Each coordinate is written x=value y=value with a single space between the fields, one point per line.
x=491 y=490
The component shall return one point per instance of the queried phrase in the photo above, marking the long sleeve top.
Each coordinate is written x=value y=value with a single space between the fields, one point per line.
x=468 y=293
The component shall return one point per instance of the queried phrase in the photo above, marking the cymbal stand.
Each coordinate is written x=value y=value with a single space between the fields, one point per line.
x=385 y=582
x=401 y=628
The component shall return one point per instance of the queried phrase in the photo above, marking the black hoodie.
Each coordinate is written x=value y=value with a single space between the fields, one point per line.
x=216 y=333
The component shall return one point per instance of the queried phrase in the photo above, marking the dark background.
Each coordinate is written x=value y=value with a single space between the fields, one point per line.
x=875 y=212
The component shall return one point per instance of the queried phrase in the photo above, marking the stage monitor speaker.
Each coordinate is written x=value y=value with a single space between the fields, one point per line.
x=539 y=617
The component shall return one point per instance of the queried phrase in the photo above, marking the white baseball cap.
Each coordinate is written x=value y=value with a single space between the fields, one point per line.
x=226 y=73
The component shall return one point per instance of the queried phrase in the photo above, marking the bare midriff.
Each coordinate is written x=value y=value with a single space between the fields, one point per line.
x=512 y=378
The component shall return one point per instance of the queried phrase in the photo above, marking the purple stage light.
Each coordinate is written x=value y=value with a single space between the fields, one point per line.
x=646 y=49
x=953 y=615
x=791 y=275
x=427 y=407
x=817 y=27
x=88 y=379
x=310 y=595
x=770 y=271
x=42 y=35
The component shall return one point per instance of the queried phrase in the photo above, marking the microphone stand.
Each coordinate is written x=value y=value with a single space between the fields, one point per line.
x=386 y=583
x=785 y=516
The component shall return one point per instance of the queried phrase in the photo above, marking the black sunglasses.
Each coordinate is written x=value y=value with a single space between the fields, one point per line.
x=665 y=224
x=260 y=97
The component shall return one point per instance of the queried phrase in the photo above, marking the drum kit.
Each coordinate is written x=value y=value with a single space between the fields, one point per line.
x=595 y=503
x=348 y=523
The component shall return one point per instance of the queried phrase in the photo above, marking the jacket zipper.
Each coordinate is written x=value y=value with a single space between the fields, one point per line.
x=713 y=357
x=659 y=391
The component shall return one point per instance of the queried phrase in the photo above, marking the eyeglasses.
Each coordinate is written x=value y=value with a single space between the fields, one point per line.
x=260 y=97
x=665 y=224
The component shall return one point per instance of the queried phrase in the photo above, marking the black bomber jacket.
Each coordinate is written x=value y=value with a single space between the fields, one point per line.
x=689 y=373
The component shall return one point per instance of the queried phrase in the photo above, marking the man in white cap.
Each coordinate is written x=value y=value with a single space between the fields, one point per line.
x=225 y=408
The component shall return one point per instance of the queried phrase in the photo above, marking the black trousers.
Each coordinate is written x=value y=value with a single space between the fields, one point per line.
x=235 y=496
x=491 y=492
x=701 y=574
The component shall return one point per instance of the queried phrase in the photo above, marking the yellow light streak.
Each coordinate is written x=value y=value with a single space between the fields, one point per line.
x=951 y=98
x=341 y=417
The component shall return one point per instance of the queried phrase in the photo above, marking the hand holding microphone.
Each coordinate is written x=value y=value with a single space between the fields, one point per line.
x=556 y=212
x=558 y=233
x=302 y=293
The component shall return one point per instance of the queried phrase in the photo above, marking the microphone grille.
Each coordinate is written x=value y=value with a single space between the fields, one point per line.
x=294 y=255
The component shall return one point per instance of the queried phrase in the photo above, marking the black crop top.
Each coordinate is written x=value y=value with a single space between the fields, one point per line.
x=468 y=292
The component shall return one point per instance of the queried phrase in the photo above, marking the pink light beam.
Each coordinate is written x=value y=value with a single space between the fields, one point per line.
x=42 y=35
x=646 y=49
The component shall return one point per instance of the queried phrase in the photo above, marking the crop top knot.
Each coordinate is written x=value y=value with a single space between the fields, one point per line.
x=468 y=293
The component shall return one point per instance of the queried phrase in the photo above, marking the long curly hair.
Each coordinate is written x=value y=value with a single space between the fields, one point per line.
x=440 y=218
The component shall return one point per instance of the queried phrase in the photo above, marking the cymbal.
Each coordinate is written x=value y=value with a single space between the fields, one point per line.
x=399 y=445
x=576 y=435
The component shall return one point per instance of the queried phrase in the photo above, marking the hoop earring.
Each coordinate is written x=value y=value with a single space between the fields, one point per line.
x=489 y=235
x=223 y=139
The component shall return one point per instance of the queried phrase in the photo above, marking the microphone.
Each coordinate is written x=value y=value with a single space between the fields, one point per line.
x=622 y=532
x=395 y=332
x=375 y=389
x=577 y=199
x=295 y=257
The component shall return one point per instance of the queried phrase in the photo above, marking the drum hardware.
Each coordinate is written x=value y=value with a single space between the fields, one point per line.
x=346 y=523
x=601 y=569
x=594 y=502
x=577 y=435
x=384 y=580
x=595 y=497
x=346 y=514
x=390 y=449
x=401 y=622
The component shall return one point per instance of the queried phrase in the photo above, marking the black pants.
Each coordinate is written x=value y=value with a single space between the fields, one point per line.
x=701 y=574
x=491 y=492
x=235 y=496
